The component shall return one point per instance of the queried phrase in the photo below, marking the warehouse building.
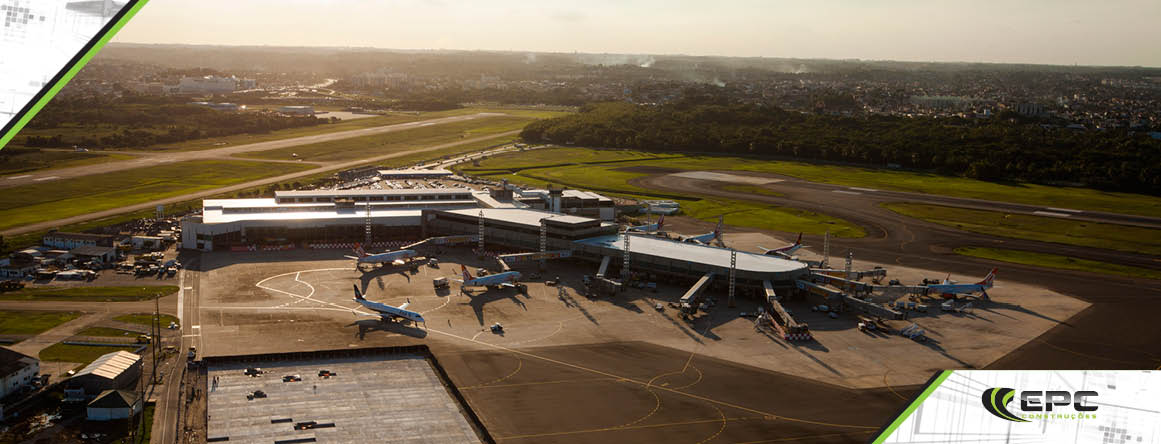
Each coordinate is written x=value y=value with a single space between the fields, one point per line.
x=68 y=241
x=17 y=371
x=113 y=404
x=116 y=370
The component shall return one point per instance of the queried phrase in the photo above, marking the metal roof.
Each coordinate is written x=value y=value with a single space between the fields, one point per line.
x=521 y=216
x=355 y=193
x=695 y=253
x=110 y=365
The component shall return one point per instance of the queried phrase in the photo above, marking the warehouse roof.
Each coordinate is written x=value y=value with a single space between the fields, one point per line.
x=12 y=361
x=114 y=399
x=694 y=253
x=91 y=250
x=110 y=365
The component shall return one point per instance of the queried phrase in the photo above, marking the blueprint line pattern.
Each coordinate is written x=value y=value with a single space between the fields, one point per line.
x=1116 y=407
x=38 y=38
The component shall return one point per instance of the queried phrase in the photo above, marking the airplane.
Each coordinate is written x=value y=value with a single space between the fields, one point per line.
x=388 y=313
x=708 y=237
x=786 y=251
x=505 y=279
x=397 y=257
x=650 y=227
x=102 y=8
x=950 y=290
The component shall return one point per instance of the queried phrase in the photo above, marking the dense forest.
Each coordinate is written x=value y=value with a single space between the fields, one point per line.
x=117 y=123
x=998 y=149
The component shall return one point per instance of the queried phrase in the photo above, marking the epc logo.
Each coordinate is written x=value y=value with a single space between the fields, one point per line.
x=1033 y=403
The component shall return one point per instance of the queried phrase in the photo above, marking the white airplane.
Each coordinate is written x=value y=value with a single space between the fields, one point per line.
x=506 y=279
x=650 y=227
x=786 y=251
x=708 y=237
x=388 y=313
x=397 y=257
x=951 y=290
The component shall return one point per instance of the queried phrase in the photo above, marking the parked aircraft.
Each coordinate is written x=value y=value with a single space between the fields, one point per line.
x=951 y=290
x=786 y=251
x=506 y=279
x=648 y=228
x=715 y=235
x=389 y=313
x=397 y=257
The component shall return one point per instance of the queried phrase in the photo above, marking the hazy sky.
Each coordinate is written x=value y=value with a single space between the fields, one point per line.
x=1086 y=32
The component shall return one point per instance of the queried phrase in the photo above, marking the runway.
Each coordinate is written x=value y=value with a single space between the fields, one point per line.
x=1117 y=332
x=149 y=158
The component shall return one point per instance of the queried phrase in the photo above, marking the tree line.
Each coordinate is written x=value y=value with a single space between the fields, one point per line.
x=116 y=123
x=997 y=149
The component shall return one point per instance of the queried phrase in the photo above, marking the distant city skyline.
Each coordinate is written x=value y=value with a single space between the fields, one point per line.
x=1055 y=32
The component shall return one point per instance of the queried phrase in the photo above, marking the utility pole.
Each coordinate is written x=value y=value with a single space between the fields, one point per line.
x=826 y=249
x=480 y=242
x=733 y=273
x=625 y=261
x=367 y=228
x=543 y=241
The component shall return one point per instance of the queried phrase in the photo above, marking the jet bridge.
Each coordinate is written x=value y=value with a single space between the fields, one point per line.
x=794 y=330
x=604 y=265
x=875 y=274
x=689 y=301
x=445 y=240
x=843 y=284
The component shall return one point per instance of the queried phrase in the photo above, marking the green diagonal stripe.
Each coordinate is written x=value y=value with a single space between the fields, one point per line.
x=911 y=408
x=102 y=39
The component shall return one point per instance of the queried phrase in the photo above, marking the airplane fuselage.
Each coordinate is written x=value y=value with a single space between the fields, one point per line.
x=388 y=257
x=390 y=312
x=507 y=277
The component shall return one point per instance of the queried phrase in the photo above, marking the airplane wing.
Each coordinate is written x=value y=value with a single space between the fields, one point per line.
x=351 y=257
x=404 y=306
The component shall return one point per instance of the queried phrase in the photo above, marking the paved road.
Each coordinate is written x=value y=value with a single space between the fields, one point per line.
x=206 y=193
x=1117 y=332
x=149 y=158
x=32 y=346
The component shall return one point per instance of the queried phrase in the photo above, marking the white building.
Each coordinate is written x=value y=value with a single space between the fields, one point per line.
x=303 y=110
x=208 y=85
x=17 y=370
x=113 y=404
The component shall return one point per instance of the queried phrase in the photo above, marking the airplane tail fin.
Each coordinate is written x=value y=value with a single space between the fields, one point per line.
x=718 y=228
x=358 y=294
x=359 y=251
x=660 y=222
x=467 y=275
x=799 y=240
x=989 y=279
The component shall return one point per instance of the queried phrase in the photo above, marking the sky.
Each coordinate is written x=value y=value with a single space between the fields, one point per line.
x=1061 y=32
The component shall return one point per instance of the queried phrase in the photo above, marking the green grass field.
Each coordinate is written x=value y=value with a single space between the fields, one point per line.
x=380 y=144
x=26 y=204
x=1057 y=261
x=1040 y=228
x=1061 y=197
x=83 y=354
x=100 y=294
x=107 y=332
x=145 y=319
x=387 y=119
x=32 y=322
x=606 y=175
x=16 y=160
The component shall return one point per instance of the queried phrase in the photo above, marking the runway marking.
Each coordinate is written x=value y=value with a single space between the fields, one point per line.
x=279 y=307
x=639 y=427
x=892 y=389
x=1063 y=210
x=720 y=430
x=869 y=190
x=688 y=395
x=519 y=365
x=522 y=384
x=695 y=382
x=46 y=178
x=181 y=297
x=656 y=407
x=1050 y=214
x=446 y=300
x=799 y=438
x=196 y=326
x=19 y=177
x=846 y=192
